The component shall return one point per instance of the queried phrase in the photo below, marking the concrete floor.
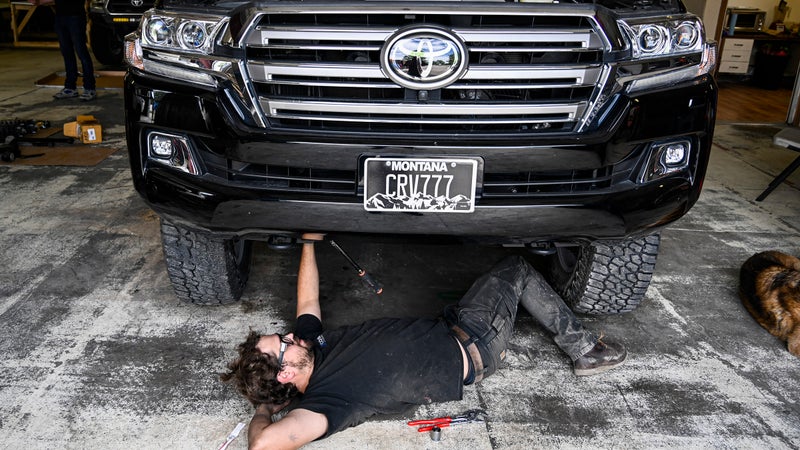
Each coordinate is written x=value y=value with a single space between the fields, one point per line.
x=96 y=352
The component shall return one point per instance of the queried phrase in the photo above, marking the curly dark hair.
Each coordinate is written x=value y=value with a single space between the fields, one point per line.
x=254 y=375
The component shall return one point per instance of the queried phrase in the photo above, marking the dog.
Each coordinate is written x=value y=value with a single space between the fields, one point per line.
x=769 y=286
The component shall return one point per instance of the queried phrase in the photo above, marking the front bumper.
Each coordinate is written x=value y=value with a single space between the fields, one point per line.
x=225 y=198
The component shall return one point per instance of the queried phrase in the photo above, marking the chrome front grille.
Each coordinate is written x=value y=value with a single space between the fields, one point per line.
x=528 y=72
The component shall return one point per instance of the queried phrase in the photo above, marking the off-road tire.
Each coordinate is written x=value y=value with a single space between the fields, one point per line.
x=204 y=269
x=606 y=277
x=107 y=47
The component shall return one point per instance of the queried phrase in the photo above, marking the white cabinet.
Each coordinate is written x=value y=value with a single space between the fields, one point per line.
x=736 y=56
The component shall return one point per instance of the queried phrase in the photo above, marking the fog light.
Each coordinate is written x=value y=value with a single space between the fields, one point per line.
x=161 y=146
x=172 y=150
x=666 y=158
x=675 y=154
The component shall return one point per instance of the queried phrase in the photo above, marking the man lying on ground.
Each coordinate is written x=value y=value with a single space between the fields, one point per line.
x=337 y=378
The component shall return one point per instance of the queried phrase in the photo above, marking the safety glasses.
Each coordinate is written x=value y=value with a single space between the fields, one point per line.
x=285 y=342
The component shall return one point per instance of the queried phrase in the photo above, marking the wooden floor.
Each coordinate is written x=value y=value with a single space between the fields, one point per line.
x=743 y=102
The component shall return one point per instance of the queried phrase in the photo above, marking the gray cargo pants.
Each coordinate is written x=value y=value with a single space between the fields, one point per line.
x=487 y=311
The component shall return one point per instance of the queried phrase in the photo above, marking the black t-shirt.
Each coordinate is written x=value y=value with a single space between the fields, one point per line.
x=382 y=366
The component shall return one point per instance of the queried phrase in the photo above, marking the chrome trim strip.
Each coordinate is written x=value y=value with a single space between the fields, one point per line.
x=587 y=37
x=532 y=72
x=264 y=71
x=336 y=84
x=262 y=35
x=395 y=109
x=438 y=121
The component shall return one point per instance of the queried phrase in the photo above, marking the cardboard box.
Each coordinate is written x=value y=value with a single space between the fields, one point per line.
x=85 y=128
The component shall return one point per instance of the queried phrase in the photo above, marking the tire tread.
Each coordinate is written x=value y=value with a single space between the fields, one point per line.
x=611 y=277
x=203 y=269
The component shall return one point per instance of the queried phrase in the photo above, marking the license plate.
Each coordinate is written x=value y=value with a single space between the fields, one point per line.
x=420 y=184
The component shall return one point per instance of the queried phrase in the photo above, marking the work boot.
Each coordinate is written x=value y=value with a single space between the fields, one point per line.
x=66 y=93
x=603 y=356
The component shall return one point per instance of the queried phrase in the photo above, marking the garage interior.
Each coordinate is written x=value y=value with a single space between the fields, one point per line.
x=98 y=353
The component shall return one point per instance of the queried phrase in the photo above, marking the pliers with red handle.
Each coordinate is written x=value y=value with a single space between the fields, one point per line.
x=474 y=415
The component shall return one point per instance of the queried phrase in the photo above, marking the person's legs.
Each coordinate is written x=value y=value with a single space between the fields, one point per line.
x=589 y=354
x=78 y=34
x=487 y=311
x=547 y=307
x=62 y=25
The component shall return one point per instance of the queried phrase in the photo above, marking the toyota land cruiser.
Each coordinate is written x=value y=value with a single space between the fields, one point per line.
x=577 y=128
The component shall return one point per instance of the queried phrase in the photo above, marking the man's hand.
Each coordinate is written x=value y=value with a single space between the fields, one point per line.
x=312 y=236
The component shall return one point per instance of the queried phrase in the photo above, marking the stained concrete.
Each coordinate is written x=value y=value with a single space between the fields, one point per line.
x=96 y=352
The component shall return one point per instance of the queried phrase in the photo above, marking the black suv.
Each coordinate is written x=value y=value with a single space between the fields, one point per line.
x=111 y=20
x=578 y=129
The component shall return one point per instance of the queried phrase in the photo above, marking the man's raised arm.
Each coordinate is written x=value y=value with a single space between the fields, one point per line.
x=308 y=279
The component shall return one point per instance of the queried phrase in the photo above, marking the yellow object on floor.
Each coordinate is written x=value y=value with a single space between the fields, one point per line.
x=86 y=128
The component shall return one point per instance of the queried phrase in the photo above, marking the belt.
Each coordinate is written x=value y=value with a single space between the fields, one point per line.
x=471 y=349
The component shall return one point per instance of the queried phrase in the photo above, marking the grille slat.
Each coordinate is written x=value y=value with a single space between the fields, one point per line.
x=534 y=71
x=400 y=109
x=263 y=72
x=430 y=121
x=264 y=35
x=509 y=185
x=343 y=182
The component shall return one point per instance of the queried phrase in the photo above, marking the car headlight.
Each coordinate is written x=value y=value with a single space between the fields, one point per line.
x=157 y=31
x=180 y=32
x=664 y=38
x=192 y=35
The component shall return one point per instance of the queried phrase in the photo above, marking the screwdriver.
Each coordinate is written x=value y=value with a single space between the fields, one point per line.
x=374 y=284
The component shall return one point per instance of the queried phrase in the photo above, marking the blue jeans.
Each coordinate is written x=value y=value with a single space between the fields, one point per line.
x=71 y=31
x=487 y=312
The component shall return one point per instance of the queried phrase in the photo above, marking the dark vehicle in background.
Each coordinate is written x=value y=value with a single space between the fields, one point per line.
x=578 y=129
x=110 y=21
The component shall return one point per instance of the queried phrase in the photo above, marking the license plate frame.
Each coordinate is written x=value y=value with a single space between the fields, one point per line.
x=412 y=184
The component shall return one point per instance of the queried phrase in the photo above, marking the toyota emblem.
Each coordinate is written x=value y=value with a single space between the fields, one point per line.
x=423 y=58
x=137 y=3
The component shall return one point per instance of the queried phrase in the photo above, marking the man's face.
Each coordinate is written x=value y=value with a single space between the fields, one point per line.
x=297 y=354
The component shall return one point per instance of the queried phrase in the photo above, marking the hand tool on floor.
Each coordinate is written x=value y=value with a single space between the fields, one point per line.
x=473 y=415
x=374 y=284
x=232 y=436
